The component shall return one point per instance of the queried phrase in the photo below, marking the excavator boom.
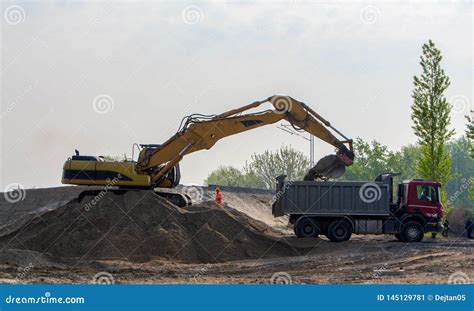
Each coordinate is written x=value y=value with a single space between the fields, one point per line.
x=158 y=165
x=198 y=134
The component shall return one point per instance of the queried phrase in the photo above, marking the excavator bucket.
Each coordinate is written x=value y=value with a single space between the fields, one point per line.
x=331 y=166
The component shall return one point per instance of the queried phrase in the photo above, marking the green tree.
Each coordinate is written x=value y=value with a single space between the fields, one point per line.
x=470 y=133
x=406 y=160
x=226 y=176
x=462 y=169
x=431 y=117
x=371 y=159
x=470 y=137
x=374 y=158
x=285 y=161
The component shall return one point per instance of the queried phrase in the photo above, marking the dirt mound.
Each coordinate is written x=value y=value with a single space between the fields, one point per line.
x=139 y=225
x=35 y=202
x=253 y=202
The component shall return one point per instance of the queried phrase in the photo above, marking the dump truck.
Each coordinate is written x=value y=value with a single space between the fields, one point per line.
x=339 y=209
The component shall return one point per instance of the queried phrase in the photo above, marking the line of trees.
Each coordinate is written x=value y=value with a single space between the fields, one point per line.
x=262 y=169
x=470 y=136
x=372 y=158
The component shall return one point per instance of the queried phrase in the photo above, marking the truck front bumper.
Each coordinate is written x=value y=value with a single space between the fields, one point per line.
x=433 y=227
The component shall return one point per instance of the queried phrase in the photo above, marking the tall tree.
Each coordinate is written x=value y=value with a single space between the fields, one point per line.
x=462 y=169
x=470 y=137
x=470 y=132
x=431 y=116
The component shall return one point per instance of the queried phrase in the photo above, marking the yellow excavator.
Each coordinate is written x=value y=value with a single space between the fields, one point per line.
x=157 y=166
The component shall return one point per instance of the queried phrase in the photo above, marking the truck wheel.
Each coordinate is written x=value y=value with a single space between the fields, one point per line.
x=399 y=237
x=339 y=231
x=307 y=227
x=412 y=231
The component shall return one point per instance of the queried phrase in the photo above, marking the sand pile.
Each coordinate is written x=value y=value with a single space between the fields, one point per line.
x=35 y=202
x=253 y=202
x=140 y=225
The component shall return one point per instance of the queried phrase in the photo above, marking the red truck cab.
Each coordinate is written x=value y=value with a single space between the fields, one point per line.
x=423 y=198
x=418 y=198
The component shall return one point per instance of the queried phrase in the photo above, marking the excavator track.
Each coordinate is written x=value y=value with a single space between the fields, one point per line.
x=173 y=196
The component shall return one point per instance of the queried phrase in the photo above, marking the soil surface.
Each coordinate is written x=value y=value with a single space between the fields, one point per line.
x=138 y=237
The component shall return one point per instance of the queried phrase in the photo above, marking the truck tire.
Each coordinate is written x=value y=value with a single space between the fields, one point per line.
x=399 y=237
x=412 y=231
x=339 y=231
x=307 y=227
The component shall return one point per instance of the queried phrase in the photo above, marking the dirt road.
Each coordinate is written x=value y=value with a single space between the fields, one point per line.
x=367 y=259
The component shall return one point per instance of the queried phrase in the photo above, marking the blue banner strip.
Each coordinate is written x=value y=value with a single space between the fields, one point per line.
x=237 y=297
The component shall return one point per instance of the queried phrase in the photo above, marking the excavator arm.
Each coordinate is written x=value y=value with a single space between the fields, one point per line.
x=199 y=132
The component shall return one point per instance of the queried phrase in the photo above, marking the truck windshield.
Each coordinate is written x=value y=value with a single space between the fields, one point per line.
x=427 y=193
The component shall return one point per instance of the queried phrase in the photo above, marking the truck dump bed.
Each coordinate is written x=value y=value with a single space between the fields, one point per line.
x=331 y=198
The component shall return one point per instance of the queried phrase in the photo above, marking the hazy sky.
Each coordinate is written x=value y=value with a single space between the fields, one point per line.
x=99 y=76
